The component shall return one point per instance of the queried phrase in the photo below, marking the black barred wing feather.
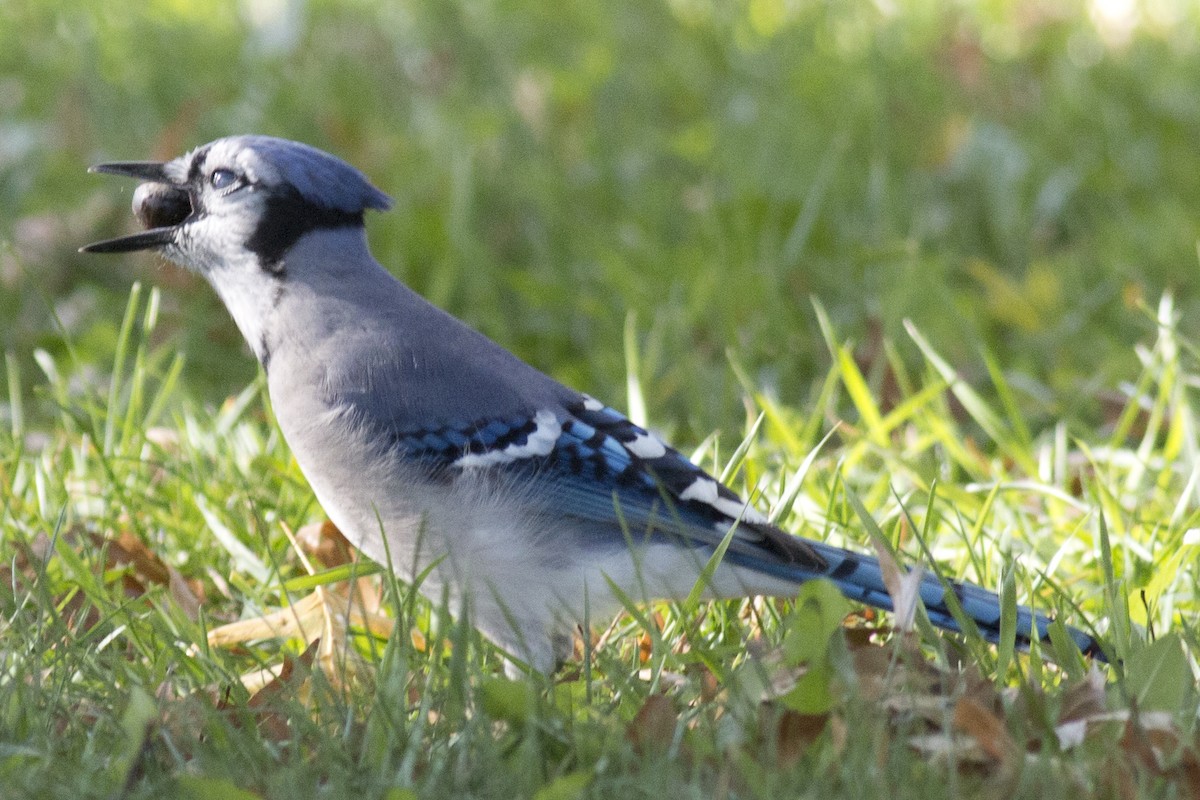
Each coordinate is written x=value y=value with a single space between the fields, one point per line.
x=588 y=462
x=593 y=464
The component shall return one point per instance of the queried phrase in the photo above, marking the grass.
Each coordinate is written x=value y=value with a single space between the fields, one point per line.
x=109 y=690
x=892 y=268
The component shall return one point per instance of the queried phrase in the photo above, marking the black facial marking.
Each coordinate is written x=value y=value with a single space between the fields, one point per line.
x=197 y=165
x=286 y=218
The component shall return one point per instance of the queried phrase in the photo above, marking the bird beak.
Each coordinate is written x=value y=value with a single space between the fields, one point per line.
x=158 y=203
x=146 y=240
x=143 y=170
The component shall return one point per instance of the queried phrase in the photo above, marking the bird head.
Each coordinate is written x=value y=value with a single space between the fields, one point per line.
x=238 y=210
x=239 y=200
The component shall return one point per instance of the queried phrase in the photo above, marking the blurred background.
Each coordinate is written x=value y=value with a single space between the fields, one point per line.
x=1018 y=178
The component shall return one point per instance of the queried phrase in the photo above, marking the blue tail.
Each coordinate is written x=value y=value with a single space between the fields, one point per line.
x=859 y=577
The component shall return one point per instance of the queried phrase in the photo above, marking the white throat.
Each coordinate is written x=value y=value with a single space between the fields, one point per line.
x=251 y=295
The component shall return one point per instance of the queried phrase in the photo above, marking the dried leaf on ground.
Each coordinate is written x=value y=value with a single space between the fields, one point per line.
x=330 y=615
x=325 y=542
x=791 y=732
x=323 y=615
x=987 y=729
x=127 y=549
x=290 y=681
x=653 y=727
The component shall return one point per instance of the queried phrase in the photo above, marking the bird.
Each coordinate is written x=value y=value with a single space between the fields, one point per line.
x=528 y=507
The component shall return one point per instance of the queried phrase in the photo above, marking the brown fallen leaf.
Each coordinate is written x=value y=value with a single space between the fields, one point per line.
x=293 y=672
x=329 y=615
x=1153 y=743
x=1083 y=702
x=645 y=641
x=324 y=542
x=653 y=727
x=793 y=733
x=982 y=724
x=1189 y=769
x=710 y=687
x=128 y=550
x=1136 y=745
x=323 y=615
x=329 y=546
x=1084 y=698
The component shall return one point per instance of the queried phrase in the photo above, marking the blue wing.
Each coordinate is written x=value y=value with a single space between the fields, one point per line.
x=589 y=462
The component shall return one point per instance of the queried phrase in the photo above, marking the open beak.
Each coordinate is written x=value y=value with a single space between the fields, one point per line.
x=144 y=170
x=146 y=240
x=159 y=203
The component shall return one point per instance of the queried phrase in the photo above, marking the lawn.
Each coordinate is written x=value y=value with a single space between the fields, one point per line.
x=907 y=272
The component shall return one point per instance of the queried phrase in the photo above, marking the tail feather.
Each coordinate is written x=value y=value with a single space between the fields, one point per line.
x=860 y=577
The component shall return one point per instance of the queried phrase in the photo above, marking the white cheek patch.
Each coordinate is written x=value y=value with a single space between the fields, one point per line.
x=646 y=446
x=704 y=490
x=538 y=443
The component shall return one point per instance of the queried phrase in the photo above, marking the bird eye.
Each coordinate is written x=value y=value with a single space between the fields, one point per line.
x=223 y=179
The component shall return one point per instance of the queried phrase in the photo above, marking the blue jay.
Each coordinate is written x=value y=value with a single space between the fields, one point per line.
x=434 y=448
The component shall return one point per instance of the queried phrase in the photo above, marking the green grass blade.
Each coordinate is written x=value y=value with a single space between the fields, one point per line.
x=112 y=417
